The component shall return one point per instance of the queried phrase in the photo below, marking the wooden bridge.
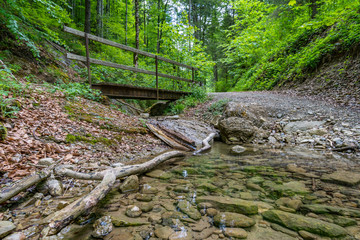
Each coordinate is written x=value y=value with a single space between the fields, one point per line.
x=114 y=90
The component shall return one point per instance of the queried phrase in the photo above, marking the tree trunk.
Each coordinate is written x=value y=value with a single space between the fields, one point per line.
x=99 y=17
x=87 y=16
x=189 y=25
x=126 y=20
x=137 y=23
x=158 y=29
x=144 y=21
x=314 y=8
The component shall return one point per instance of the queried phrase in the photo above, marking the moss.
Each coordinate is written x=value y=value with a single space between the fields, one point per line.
x=70 y=138
x=3 y=132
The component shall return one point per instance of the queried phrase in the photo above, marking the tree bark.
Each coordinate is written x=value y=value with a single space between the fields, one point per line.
x=314 y=8
x=137 y=31
x=99 y=18
x=126 y=20
x=61 y=218
x=87 y=16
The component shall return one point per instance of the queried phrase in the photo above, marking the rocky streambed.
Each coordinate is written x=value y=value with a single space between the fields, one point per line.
x=260 y=193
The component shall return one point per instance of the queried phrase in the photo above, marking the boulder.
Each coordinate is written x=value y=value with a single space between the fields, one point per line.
x=235 y=130
x=131 y=184
x=190 y=210
x=228 y=204
x=299 y=222
x=234 y=109
x=102 y=227
x=229 y=219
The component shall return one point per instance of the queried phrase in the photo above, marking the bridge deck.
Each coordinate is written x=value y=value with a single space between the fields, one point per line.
x=131 y=92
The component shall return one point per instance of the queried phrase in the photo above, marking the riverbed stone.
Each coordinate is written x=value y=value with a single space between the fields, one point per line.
x=163 y=232
x=237 y=150
x=302 y=126
x=144 y=197
x=148 y=189
x=260 y=233
x=54 y=187
x=120 y=220
x=159 y=174
x=342 y=177
x=183 y=234
x=319 y=208
x=16 y=236
x=131 y=184
x=190 y=210
x=228 y=204
x=6 y=227
x=102 y=227
x=235 y=130
x=146 y=207
x=292 y=187
x=229 y=219
x=288 y=202
x=133 y=211
x=235 y=233
x=299 y=222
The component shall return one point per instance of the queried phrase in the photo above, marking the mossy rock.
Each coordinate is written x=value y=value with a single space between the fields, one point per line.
x=3 y=132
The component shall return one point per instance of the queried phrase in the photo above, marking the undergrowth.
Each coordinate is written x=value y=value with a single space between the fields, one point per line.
x=198 y=96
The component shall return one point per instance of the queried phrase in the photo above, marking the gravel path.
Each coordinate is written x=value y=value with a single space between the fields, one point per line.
x=280 y=105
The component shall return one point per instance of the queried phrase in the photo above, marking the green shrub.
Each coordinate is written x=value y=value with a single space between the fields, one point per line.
x=217 y=108
x=73 y=90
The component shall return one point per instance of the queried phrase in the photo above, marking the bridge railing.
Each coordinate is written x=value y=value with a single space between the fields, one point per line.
x=158 y=74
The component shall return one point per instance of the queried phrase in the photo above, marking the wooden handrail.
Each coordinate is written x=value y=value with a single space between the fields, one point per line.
x=124 y=67
x=124 y=47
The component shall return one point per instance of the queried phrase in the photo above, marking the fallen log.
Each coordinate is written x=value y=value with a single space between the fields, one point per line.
x=206 y=143
x=62 y=218
x=120 y=171
x=169 y=141
x=23 y=184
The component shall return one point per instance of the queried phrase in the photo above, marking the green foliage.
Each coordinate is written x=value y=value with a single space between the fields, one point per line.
x=198 y=96
x=275 y=43
x=9 y=90
x=217 y=108
x=74 y=89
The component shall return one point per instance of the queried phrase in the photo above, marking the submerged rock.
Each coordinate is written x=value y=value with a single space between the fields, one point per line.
x=342 y=177
x=229 y=219
x=228 y=204
x=131 y=184
x=299 y=222
x=16 y=236
x=163 y=232
x=6 y=227
x=133 y=211
x=319 y=208
x=120 y=220
x=235 y=233
x=102 y=227
x=159 y=174
x=293 y=186
x=237 y=150
x=260 y=233
x=190 y=210
x=147 y=189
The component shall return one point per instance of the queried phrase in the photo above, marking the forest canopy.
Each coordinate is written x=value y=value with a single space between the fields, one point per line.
x=236 y=44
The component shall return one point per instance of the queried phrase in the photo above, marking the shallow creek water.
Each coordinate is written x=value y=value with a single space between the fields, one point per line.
x=195 y=198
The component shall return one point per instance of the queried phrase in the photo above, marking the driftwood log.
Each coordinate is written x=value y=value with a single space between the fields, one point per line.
x=206 y=143
x=62 y=218
x=23 y=184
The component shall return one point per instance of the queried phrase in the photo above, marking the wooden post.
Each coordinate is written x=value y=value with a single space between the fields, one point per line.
x=157 y=77
x=88 y=57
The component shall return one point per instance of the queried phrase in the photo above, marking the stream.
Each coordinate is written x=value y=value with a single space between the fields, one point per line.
x=263 y=193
